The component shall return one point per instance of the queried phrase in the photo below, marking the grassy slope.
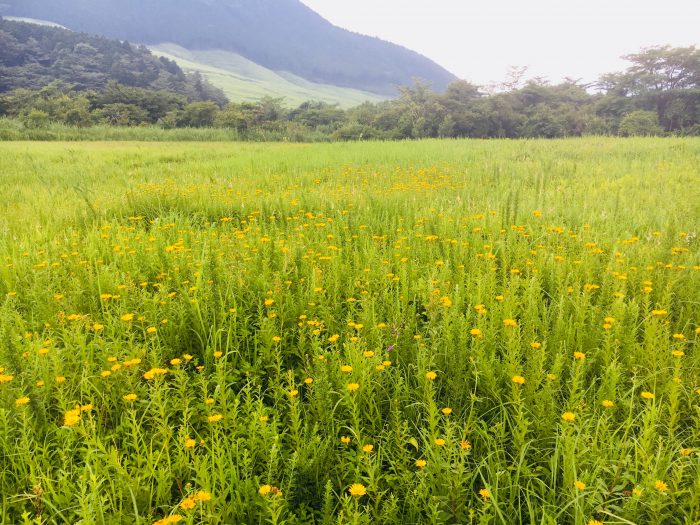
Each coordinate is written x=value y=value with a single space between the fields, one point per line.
x=243 y=80
x=33 y=21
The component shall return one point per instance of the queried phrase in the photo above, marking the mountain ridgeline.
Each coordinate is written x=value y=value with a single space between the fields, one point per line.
x=282 y=35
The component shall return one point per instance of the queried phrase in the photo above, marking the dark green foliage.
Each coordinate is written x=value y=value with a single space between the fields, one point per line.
x=630 y=103
x=283 y=35
x=33 y=56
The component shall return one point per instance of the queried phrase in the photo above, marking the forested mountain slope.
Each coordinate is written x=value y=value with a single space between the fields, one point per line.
x=282 y=35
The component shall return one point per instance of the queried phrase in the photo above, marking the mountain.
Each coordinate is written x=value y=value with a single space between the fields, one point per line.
x=243 y=80
x=280 y=35
x=33 y=56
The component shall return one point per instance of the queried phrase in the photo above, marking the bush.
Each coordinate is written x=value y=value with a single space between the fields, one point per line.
x=640 y=123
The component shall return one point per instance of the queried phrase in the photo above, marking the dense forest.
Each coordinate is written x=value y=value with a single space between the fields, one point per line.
x=56 y=76
x=282 y=35
x=33 y=56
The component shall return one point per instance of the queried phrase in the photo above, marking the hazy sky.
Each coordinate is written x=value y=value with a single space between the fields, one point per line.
x=478 y=40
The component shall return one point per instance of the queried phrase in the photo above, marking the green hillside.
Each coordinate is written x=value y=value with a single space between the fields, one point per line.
x=280 y=35
x=243 y=80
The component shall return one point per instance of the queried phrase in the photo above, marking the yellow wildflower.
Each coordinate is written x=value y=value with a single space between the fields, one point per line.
x=660 y=486
x=357 y=490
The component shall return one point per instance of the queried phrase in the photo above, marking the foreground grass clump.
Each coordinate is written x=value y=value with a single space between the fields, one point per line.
x=434 y=332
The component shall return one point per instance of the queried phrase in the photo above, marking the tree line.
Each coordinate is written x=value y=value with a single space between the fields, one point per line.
x=658 y=94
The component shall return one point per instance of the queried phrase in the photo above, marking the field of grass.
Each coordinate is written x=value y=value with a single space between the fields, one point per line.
x=243 y=80
x=435 y=332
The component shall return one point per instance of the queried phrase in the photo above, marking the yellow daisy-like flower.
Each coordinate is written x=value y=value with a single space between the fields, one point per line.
x=660 y=486
x=202 y=496
x=518 y=380
x=475 y=332
x=188 y=504
x=647 y=395
x=127 y=317
x=420 y=463
x=346 y=369
x=169 y=520
x=568 y=416
x=190 y=443
x=265 y=490
x=153 y=372
x=357 y=490
x=580 y=485
x=511 y=323
x=535 y=345
x=607 y=403
x=214 y=418
x=130 y=397
x=485 y=494
x=345 y=440
x=446 y=411
x=367 y=449
x=21 y=401
x=440 y=442
x=431 y=375
x=334 y=338
x=353 y=387
x=71 y=417
x=579 y=356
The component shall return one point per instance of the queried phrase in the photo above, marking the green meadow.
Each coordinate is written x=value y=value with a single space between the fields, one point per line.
x=432 y=332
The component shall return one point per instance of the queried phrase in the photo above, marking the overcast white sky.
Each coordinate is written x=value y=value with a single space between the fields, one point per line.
x=479 y=39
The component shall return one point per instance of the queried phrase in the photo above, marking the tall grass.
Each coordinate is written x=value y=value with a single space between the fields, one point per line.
x=434 y=332
x=16 y=130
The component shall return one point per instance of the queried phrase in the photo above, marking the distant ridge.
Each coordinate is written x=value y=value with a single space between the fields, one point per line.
x=281 y=35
